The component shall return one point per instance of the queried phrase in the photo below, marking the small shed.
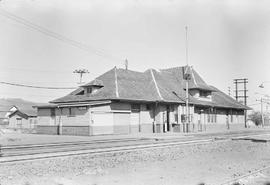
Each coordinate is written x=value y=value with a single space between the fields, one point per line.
x=22 y=118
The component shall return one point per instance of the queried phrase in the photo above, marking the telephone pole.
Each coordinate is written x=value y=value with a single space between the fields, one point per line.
x=241 y=94
x=187 y=77
x=81 y=72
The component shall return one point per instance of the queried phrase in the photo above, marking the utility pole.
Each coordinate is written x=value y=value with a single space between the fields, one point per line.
x=81 y=72
x=229 y=91
x=242 y=95
x=187 y=77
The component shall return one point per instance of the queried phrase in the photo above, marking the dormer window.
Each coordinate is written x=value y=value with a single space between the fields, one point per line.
x=92 y=87
x=204 y=94
x=89 y=90
x=201 y=94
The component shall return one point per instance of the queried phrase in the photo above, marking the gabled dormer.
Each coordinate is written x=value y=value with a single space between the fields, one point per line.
x=196 y=85
x=201 y=94
x=92 y=87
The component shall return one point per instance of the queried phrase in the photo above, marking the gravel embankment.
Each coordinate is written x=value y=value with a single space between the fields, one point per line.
x=192 y=164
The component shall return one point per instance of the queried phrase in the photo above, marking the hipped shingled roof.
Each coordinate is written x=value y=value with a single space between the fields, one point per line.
x=166 y=85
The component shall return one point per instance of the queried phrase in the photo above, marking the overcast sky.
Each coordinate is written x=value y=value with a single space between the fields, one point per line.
x=227 y=39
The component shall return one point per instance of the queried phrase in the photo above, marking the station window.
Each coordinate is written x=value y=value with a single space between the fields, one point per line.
x=71 y=111
x=204 y=94
x=52 y=112
x=135 y=107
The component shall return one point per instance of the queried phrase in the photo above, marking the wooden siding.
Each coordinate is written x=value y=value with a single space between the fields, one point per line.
x=24 y=123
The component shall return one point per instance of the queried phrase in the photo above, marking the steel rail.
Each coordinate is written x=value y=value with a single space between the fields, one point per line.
x=70 y=143
x=99 y=151
x=78 y=150
x=86 y=144
x=95 y=141
x=79 y=146
x=237 y=179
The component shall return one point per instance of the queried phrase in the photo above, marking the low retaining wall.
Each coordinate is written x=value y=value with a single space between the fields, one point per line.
x=224 y=127
x=121 y=129
x=159 y=128
x=207 y=127
x=76 y=130
x=47 y=129
x=126 y=129
x=147 y=128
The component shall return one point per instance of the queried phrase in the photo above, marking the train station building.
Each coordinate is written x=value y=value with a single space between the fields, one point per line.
x=122 y=101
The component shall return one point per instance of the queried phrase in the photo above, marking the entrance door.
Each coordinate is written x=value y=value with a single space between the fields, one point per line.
x=168 y=118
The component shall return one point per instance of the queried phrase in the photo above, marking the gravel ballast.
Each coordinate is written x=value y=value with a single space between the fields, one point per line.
x=187 y=164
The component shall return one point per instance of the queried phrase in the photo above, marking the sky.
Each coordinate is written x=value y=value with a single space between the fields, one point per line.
x=227 y=39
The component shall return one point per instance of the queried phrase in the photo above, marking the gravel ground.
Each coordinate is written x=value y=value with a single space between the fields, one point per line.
x=191 y=164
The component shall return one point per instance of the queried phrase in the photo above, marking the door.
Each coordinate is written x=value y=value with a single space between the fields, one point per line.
x=102 y=123
x=168 y=118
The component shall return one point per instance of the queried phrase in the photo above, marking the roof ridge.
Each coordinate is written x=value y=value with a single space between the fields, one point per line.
x=116 y=83
x=128 y=70
x=153 y=77
x=195 y=82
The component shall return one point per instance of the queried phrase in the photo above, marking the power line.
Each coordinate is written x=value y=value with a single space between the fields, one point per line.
x=9 y=94
x=35 y=70
x=57 y=36
x=36 y=87
x=254 y=104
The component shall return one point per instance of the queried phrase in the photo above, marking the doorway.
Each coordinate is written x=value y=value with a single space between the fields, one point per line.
x=167 y=118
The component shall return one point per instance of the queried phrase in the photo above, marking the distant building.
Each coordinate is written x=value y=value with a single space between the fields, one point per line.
x=123 y=101
x=22 y=118
x=3 y=119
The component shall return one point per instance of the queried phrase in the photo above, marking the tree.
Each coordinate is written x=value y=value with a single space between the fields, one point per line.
x=256 y=117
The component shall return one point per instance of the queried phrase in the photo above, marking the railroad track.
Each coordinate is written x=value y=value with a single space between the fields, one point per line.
x=99 y=150
x=14 y=153
x=243 y=179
